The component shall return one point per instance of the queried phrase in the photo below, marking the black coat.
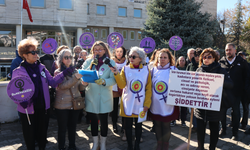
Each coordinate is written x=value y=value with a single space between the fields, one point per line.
x=209 y=115
x=239 y=73
x=192 y=66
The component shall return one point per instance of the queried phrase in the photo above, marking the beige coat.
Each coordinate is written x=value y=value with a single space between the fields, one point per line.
x=63 y=96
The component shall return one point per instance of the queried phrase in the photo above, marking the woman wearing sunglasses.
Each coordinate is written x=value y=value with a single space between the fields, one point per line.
x=160 y=112
x=208 y=62
x=39 y=103
x=120 y=60
x=98 y=95
x=136 y=81
x=66 y=115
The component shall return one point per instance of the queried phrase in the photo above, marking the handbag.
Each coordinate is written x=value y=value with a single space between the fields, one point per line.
x=78 y=102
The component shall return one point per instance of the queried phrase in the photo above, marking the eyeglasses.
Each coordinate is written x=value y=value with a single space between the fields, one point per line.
x=163 y=58
x=100 y=50
x=133 y=57
x=207 y=57
x=67 y=57
x=196 y=55
x=32 y=52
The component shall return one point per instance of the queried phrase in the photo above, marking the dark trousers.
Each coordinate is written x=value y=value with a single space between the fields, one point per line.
x=37 y=131
x=115 y=110
x=245 y=105
x=183 y=114
x=235 y=116
x=162 y=131
x=128 y=122
x=66 y=120
x=214 y=133
x=94 y=124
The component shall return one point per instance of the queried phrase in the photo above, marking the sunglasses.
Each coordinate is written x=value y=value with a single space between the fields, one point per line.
x=207 y=57
x=32 y=52
x=133 y=57
x=67 y=57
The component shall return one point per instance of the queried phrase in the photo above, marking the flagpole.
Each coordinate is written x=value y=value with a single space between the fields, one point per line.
x=21 y=18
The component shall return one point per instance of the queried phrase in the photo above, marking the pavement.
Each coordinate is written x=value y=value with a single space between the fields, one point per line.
x=11 y=137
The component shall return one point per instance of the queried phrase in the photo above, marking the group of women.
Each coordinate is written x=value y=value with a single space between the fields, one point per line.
x=138 y=85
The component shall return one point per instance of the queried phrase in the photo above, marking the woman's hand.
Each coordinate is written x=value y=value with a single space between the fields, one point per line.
x=85 y=83
x=78 y=76
x=145 y=109
x=114 y=70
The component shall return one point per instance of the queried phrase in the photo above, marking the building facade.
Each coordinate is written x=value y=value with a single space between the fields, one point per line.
x=66 y=20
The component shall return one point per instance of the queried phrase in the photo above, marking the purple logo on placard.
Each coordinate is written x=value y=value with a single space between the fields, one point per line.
x=148 y=44
x=102 y=69
x=49 y=46
x=115 y=40
x=20 y=89
x=175 y=43
x=87 y=39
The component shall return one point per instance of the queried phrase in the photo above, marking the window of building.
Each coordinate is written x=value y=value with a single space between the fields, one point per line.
x=122 y=12
x=7 y=38
x=132 y=35
x=124 y=34
x=104 y=34
x=101 y=10
x=37 y=3
x=88 y=9
x=2 y=2
x=87 y=30
x=95 y=33
x=61 y=38
x=65 y=4
x=137 y=13
x=139 y=35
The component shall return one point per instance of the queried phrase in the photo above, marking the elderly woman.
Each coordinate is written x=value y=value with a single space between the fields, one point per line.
x=39 y=103
x=77 y=49
x=66 y=115
x=181 y=65
x=98 y=95
x=54 y=65
x=120 y=60
x=136 y=81
x=208 y=62
x=83 y=55
x=160 y=111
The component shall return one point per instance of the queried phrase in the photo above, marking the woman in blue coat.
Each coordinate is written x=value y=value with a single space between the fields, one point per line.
x=98 y=95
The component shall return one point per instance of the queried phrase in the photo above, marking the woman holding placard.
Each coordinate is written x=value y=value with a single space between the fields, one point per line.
x=120 y=60
x=160 y=111
x=67 y=90
x=136 y=81
x=98 y=95
x=35 y=125
x=208 y=62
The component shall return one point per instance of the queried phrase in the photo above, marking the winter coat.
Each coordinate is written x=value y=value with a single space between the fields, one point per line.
x=63 y=96
x=209 y=115
x=48 y=60
x=192 y=66
x=46 y=81
x=15 y=63
x=238 y=71
x=99 y=98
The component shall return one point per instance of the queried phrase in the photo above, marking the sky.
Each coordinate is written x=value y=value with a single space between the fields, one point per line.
x=227 y=4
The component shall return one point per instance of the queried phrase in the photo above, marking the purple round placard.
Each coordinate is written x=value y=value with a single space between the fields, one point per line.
x=148 y=44
x=20 y=89
x=175 y=43
x=115 y=40
x=87 y=39
x=49 y=46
